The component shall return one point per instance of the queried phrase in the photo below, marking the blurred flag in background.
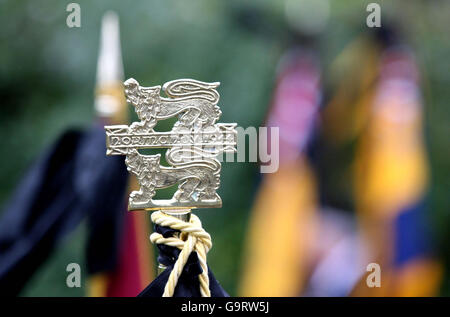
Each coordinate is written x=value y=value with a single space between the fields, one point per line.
x=283 y=216
x=391 y=176
x=71 y=181
x=132 y=269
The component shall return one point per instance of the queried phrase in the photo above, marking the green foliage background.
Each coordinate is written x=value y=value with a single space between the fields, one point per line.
x=47 y=77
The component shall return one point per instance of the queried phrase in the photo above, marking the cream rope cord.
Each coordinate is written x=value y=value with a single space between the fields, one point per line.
x=192 y=237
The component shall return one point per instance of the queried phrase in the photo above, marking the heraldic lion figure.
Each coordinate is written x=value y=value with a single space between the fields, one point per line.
x=197 y=180
x=195 y=102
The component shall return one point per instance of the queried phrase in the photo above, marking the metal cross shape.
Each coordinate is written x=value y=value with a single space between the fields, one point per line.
x=194 y=143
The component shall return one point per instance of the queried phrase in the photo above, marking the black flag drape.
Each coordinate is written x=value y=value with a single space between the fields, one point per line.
x=188 y=284
x=71 y=180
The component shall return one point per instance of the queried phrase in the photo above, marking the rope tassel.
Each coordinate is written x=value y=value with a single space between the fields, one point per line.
x=192 y=238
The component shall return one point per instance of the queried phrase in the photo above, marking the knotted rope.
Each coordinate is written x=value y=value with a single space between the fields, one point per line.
x=192 y=237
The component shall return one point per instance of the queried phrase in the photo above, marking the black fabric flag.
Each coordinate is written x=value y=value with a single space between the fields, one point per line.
x=71 y=180
x=188 y=284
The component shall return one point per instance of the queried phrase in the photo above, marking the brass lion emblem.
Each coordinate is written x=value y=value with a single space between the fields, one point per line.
x=194 y=143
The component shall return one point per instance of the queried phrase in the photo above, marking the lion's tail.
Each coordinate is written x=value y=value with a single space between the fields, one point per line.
x=188 y=156
x=212 y=164
x=190 y=89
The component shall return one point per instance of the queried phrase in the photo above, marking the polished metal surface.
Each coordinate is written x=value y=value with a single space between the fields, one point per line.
x=193 y=143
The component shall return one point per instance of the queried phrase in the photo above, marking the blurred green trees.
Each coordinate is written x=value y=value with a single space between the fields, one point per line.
x=47 y=78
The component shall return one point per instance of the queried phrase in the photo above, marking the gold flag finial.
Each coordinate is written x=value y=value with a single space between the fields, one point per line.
x=109 y=97
x=194 y=144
